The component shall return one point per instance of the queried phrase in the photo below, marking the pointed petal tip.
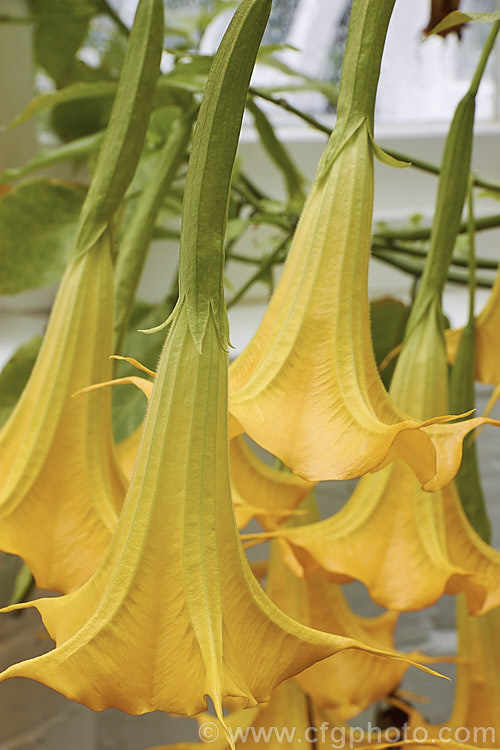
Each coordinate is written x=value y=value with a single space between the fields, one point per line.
x=396 y=656
x=135 y=363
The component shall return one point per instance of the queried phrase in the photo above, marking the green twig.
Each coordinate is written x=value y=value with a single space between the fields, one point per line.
x=264 y=266
x=419 y=164
x=420 y=252
x=423 y=233
x=283 y=104
x=415 y=268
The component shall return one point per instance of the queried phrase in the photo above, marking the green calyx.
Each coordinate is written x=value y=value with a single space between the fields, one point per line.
x=452 y=190
x=208 y=181
x=124 y=137
x=368 y=26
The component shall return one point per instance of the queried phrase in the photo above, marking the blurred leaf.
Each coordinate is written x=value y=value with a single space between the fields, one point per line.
x=73 y=151
x=24 y=583
x=15 y=374
x=72 y=93
x=490 y=194
x=276 y=150
x=269 y=49
x=190 y=75
x=37 y=227
x=274 y=62
x=76 y=119
x=457 y=17
x=190 y=23
x=328 y=89
x=60 y=29
x=235 y=228
x=388 y=322
x=186 y=78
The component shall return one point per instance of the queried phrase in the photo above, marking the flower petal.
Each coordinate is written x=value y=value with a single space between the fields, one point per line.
x=61 y=486
x=306 y=387
x=174 y=614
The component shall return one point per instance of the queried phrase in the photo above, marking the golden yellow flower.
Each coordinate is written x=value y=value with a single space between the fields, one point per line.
x=284 y=721
x=350 y=682
x=174 y=614
x=306 y=387
x=407 y=546
x=61 y=486
x=258 y=490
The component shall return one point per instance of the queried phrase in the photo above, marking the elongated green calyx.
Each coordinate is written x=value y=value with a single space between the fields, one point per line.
x=452 y=189
x=129 y=118
x=135 y=242
x=209 y=176
x=368 y=26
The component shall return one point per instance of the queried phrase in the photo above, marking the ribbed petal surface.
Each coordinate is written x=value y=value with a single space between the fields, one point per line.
x=61 y=486
x=306 y=388
x=174 y=613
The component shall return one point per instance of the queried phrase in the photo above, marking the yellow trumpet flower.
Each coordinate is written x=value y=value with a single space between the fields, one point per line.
x=306 y=387
x=61 y=487
x=258 y=490
x=261 y=491
x=350 y=682
x=174 y=614
x=288 y=719
x=407 y=546
x=307 y=708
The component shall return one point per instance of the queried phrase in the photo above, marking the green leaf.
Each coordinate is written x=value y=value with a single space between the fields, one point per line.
x=388 y=322
x=24 y=584
x=457 y=17
x=72 y=93
x=38 y=221
x=294 y=180
x=72 y=151
x=190 y=75
x=124 y=137
x=15 y=374
x=60 y=29
x=76 y=119
x=181 y=79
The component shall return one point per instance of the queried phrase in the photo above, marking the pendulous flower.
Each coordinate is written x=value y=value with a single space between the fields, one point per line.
x=166 y=618
x=406 y=545
x=258 y=490
x=61 y=486
x=306 y=388
x=350 y=682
